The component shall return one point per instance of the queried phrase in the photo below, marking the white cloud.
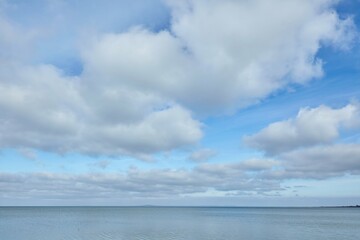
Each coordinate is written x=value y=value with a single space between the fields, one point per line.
x=259 y=164
x=159 y=131
x=239 y=168
x=240 y=51
x=321 y=161
x=43 y=110
x=311 y=126
x=157 y=183
x=139 y=89
x=255 y=177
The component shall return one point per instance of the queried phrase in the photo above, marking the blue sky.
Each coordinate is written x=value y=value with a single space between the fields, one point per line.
x=180 y=102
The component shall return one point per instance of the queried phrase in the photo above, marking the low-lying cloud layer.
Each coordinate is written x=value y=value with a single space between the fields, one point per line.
x=142 y=91
x=307 y=146
x=224 y=178
x=253 y=177
x=323 y=161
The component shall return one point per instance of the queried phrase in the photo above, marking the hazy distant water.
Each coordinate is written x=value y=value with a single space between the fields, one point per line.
x=151 y=223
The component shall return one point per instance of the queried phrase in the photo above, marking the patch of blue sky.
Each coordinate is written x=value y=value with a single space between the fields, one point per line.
x=12 y=161
x=349 y=8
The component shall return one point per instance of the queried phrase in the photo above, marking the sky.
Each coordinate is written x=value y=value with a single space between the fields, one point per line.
x=180 y=102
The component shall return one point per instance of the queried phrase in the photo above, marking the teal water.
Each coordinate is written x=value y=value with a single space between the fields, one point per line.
x=162 y=223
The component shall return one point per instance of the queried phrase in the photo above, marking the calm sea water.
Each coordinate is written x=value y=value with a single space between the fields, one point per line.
x=160 y=223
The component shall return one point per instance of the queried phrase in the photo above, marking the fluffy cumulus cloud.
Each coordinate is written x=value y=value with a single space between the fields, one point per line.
x=243 y=51
x=306 y=147
x=140 y=89
x=311 y=126
x=240 y=51
x=44 y=110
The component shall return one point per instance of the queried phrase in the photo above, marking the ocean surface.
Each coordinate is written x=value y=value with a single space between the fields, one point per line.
x=173 y=223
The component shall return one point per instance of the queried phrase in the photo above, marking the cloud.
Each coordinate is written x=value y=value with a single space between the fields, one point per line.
x=140 y=90
x=202 y=155
x=244 y=51
x=44 y=110
x=311 y=126
x=157 y=183
x=323 y=161
x=249 y=165
x=228 y=53
x=60 y=27
x=304 y=147
x=319 y=162
x=253 y=177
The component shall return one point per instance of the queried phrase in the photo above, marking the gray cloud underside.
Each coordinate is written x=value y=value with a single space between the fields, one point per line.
x=140 y=90
x=250 y=177
x=321 y=162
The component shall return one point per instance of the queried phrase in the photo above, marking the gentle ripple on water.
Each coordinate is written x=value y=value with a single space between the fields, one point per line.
x=151 y=223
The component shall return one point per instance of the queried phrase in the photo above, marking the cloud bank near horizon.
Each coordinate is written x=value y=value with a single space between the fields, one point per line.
x=247 y=178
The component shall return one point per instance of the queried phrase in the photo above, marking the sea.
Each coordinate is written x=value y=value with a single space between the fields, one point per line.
x=175 y=223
